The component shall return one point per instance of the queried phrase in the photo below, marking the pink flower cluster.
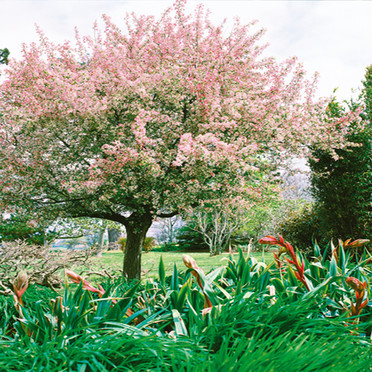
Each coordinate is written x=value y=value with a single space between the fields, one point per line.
x=165 y=102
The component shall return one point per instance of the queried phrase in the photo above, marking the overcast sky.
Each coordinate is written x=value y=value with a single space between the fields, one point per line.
x=331 y=37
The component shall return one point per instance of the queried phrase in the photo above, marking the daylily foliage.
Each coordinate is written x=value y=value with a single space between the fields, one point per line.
x=245 y=300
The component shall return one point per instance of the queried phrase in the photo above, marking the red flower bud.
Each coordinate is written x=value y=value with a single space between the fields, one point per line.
x=190 y=262
x=86 y=285
x=76 y=278
x=356 y=284
x=20 y=285
x=269 y=240
x=355 y=243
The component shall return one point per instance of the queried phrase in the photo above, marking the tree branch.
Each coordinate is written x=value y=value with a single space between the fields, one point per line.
x=167 y=215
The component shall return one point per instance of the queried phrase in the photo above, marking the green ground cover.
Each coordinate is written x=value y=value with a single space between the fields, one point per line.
x=312 y=314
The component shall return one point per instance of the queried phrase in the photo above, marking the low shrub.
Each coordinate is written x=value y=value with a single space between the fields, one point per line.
x=307 y=225
x=148 y=244
x=165 y=247
x=303 y=227
x=190 y=240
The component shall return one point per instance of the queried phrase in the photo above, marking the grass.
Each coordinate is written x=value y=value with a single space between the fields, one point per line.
x=113 y=261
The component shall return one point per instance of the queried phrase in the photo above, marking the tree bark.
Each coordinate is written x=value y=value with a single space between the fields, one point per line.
x=100 y=242
x=113 y=236
x=136 y=227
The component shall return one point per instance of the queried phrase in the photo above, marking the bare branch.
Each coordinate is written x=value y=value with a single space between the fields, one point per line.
x=40 y=263
x=167 y=215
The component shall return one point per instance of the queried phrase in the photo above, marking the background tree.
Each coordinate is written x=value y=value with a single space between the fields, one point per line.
x=135 y=125
x=4 y=54
x=190 y=240
x=92 y=230
x=167 y=230
x=114 y=234
x=216 y=222
x=24 y=227
x=342 y=187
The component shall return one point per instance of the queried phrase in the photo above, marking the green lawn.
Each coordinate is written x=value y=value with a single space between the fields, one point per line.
x=113 y=261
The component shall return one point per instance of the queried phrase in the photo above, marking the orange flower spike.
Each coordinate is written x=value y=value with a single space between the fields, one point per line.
x=356 y=284
x=345 y=243
x=302 y=268
x=297 y=275
x=90 y=288
x=190 y=262
x=360 y=289
x=207 y=310
x=76 y=278
x=270 y=240
x=278 y=263
x=363 y=304
x=101 y=290
x=355 y=243
x=20 y=285
x=290 y=251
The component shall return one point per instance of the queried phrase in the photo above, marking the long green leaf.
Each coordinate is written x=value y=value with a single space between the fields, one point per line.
x=175 y=281
x=182 y=295
x=161 y=271
x=180 y=327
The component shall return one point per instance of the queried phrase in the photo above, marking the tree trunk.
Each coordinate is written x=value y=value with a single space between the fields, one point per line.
x=113 y=236
x=137 y=226
x=100 y=242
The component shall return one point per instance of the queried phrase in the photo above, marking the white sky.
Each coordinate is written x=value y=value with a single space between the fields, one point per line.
x=331 y=37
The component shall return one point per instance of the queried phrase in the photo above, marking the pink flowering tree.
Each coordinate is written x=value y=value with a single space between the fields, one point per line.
x=147 y=121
